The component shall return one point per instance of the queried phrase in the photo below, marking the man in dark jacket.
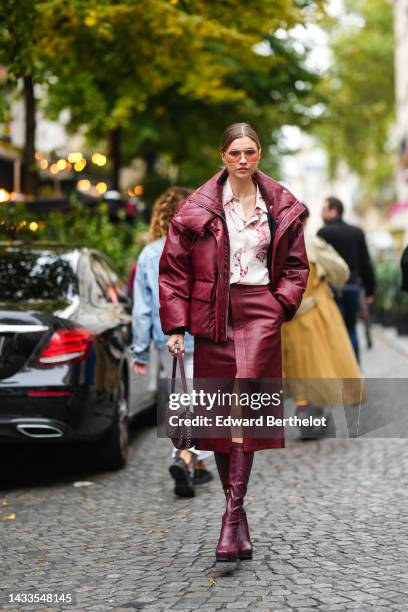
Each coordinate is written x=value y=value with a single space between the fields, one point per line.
x=404 y=270
x=349 y=241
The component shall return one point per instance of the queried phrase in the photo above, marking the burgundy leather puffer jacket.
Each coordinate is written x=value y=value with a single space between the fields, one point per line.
x=194 y=267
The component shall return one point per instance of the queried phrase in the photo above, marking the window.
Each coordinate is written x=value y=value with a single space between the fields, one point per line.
x=31 y=275
x=110 y=286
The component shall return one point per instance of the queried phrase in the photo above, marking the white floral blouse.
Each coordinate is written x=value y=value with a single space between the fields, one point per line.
x=249 y=239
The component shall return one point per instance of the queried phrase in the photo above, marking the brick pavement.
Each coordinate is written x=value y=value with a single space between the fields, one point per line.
x=327 y=519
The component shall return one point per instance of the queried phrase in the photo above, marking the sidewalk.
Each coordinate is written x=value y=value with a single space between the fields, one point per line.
x=327 y=520
x=391 y=337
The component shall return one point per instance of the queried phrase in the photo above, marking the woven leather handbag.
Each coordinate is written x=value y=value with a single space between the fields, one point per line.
x=180 y=434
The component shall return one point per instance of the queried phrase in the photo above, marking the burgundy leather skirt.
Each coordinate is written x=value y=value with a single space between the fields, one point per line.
x=252 y=350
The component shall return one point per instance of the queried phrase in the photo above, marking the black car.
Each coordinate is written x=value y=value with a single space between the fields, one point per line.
x=65 y=366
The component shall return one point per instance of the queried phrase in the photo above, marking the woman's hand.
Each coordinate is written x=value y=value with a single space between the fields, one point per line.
x=173 y=341
x=139 y=368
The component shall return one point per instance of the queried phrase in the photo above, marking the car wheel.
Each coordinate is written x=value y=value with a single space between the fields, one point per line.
x=112 y=451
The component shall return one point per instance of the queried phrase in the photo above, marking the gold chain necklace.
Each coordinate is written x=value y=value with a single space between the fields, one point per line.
x=245 y=218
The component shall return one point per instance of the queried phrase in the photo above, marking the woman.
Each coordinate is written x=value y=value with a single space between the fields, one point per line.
x=233 y=268
x=319 y=363
x=187 y=467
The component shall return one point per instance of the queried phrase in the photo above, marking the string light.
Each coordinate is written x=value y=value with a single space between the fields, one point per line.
x=98 y=159
x=44 y=164
x=61 y=164
x=80 y=165
x=84 y=185
x=33 y=226
x=74 y=157
x=101 y=187
x=4 y=195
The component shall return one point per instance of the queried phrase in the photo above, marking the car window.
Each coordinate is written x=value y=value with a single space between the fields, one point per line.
x=27 y=275
x=105 y=286
x=117 y=281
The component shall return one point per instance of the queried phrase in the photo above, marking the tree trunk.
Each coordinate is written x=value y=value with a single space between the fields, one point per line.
x=30 y=170
x=114 y=137
x=150 y=159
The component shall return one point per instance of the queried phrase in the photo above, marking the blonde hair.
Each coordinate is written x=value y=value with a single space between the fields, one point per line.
x=164 y=209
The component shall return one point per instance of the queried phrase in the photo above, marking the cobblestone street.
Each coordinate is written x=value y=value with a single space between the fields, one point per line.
x=328 y=520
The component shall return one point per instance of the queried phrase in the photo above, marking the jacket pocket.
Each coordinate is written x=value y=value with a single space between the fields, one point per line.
x=202 y=291
x=278 y=307
x=201 y=307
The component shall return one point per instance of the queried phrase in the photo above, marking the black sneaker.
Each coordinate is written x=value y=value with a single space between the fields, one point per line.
x=319 y=431
x=184 y=486
x=201 y=476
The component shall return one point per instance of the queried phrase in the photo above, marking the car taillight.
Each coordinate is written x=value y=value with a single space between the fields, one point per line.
x=47 y=393
x=67 y=345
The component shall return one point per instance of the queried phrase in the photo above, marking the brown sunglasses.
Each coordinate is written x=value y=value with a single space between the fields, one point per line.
x=234 y=155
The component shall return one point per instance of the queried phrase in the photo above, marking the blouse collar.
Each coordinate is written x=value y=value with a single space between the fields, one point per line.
x=228 y=196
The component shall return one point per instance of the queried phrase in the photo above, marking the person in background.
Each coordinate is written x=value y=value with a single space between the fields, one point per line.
x=131 y=280
x=187 y=467
x=404 y=270
x=349 y=241
x=319 y=364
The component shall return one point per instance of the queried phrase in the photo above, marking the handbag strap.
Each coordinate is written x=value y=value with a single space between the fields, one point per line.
x=178 y=358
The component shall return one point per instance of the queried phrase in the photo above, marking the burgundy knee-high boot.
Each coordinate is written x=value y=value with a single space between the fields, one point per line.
x=240 y=464
x=222 y=461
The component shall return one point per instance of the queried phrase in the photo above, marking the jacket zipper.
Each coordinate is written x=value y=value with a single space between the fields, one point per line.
x=228 y=277
x=288 y=214
x=222 y=216
x=281 y=228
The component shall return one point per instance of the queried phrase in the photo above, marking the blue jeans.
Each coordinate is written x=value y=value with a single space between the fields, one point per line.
x=348 y=300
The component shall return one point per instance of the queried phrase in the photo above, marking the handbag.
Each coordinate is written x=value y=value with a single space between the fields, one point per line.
x=180 y=434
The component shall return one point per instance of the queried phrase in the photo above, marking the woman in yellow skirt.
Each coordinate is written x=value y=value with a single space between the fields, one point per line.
x=319 y=364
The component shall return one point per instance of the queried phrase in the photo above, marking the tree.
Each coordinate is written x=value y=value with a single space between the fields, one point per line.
x=119 y=64
x=109 y=61
x=359 y=94
x=21 y=31
x=185 y=132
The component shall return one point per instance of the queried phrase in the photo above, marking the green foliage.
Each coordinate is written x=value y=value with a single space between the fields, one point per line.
x=109 y=57
x=181 y=133
x=388 y=277
x=388 y=295
x=171 y=74
x=82 y=226
x=21 y=31
x=401 y=305
x=358 y=93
